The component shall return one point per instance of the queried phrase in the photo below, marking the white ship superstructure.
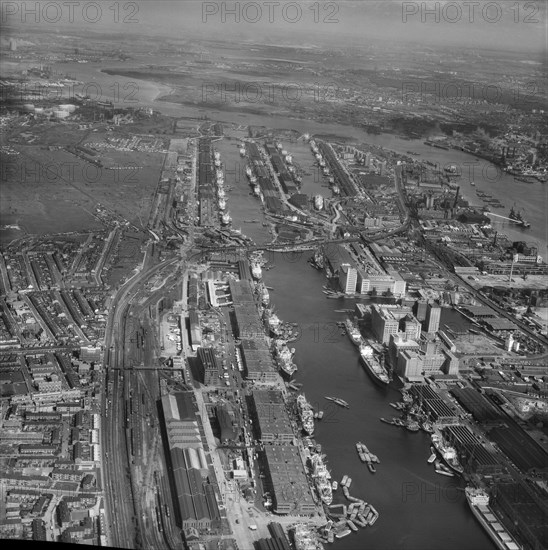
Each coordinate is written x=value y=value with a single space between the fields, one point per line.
x=306 y=414
x=322 y=478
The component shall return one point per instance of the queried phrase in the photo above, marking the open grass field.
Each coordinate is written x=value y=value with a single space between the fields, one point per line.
x=50 y=190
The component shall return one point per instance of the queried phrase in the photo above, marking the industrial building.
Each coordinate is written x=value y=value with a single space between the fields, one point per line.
x=432 y=404
x=195 y=329
x=257 y=360
x=277 y=541
x=386 y=320
x=209 y=366
x=271 y=419
x=473 y=455
x=192 y=479
x=287 y=480
x=432 y=321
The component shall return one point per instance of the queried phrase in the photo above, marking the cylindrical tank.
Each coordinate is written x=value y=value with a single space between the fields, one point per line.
x=60 y=114
x=67 y=107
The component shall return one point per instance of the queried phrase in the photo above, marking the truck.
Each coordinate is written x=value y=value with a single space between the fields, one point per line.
x=253 y=527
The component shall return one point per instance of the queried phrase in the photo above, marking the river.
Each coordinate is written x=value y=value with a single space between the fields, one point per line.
x=419 y=509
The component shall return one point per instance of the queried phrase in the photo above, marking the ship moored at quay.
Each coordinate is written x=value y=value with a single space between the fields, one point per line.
x=306 y=414
x=478 y=500
x=353 y=332
x=372 y=365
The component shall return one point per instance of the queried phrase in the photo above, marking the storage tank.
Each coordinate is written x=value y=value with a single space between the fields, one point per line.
x=67 y=107
x=60 y=114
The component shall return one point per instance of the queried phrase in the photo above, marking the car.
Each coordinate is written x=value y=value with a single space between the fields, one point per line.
x=227 y=383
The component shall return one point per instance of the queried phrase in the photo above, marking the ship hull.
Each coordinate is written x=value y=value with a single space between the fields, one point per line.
x=458 y=469
x=288 y=372
x=373 y=375
x=485 y=524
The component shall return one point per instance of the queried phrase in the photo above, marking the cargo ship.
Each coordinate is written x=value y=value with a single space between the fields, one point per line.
x=317 y=261
x=448 y=453
x=353 y=332
x=322 y=479
x=306 y=414
x=256 y=271
x=284 y=356
x=372 y=365
x=478 y=500
x=274 y=323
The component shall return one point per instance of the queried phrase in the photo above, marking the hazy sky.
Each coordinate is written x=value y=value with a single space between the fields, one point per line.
x=498 y=24
x=504 y=24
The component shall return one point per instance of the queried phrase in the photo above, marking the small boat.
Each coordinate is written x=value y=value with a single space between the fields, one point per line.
x=375 y=516
x=351 y=525
x=431 y=458
x=412 y=425
x=427 y=427
x=343 y=533
x=335 y=485
x=444 y=473
x=339 y=401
